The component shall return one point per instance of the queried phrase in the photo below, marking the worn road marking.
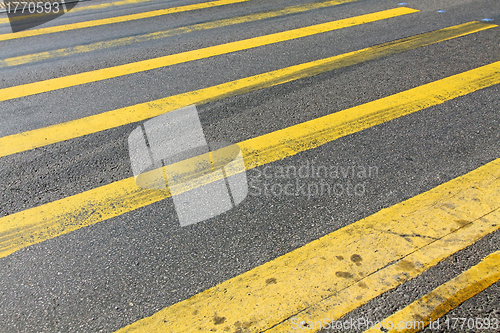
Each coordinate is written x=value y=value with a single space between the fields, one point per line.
x=37 y=224
x=445 y=298
x=72 y=129
x=117 y=19
x=14 y=61
x=343 y=301
x=394 y=245
x=178 y=58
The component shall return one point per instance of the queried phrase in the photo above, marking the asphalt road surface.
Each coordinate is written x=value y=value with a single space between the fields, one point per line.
x=370 y=140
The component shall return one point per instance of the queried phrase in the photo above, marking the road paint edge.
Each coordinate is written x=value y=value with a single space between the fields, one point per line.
x=335 y=307
x=446 y=297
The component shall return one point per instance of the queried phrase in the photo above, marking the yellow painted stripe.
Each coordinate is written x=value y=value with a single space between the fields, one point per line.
x=117 y=19
x=65 y=215
x=396 y=244
x=145 y=65
x=446 y=298
x=14 y=61
x=65 y=131
x=83 y=7
x=346 y=300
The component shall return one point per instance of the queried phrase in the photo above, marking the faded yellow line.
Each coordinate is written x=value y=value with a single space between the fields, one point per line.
x=14 y=61
x=361 y=292
x=445 y=298
x=37 y=224
x=60 y=132
x=83 y=7
x=145 y=65
x=395 y=244
x=117 y=19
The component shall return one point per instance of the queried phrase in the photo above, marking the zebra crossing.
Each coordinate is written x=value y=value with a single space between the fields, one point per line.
x=67 y=178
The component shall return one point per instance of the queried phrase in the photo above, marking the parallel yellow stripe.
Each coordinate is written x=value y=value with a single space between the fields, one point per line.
x=91 y=7
x=346 y=300
x=145 y=65
x=311 y=134
x=60 y=132
x=118 y=19
x=446 y=298
x=167 y=33
x=65 y=215
x=371 y=256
